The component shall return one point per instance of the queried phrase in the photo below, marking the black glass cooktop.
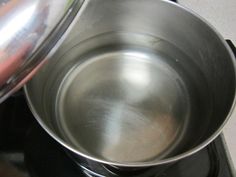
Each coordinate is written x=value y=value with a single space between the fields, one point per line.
x=26 y=150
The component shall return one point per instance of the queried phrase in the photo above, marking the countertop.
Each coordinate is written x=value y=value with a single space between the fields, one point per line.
x=222 y=15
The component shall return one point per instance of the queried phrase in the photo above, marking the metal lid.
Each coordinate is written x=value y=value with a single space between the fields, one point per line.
x=29 y=29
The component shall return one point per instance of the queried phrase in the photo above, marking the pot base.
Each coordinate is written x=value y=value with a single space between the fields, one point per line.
x=124 y=104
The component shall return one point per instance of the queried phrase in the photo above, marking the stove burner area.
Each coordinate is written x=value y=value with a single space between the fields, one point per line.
x=26 y=150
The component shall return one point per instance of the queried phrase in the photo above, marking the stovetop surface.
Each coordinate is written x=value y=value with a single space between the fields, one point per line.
x=26 y=150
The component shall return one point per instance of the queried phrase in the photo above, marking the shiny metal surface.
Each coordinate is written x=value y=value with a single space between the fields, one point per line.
x=126 y=105
x=29 y=29
x=127 y=90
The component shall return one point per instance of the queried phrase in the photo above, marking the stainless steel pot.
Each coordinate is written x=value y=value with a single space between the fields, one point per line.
x=136 y=83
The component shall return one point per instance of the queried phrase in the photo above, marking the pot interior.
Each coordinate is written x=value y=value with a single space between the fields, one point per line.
x=125 y=102
x=122 y=94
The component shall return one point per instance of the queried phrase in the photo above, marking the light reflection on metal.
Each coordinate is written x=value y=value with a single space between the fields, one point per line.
x=29 y=29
